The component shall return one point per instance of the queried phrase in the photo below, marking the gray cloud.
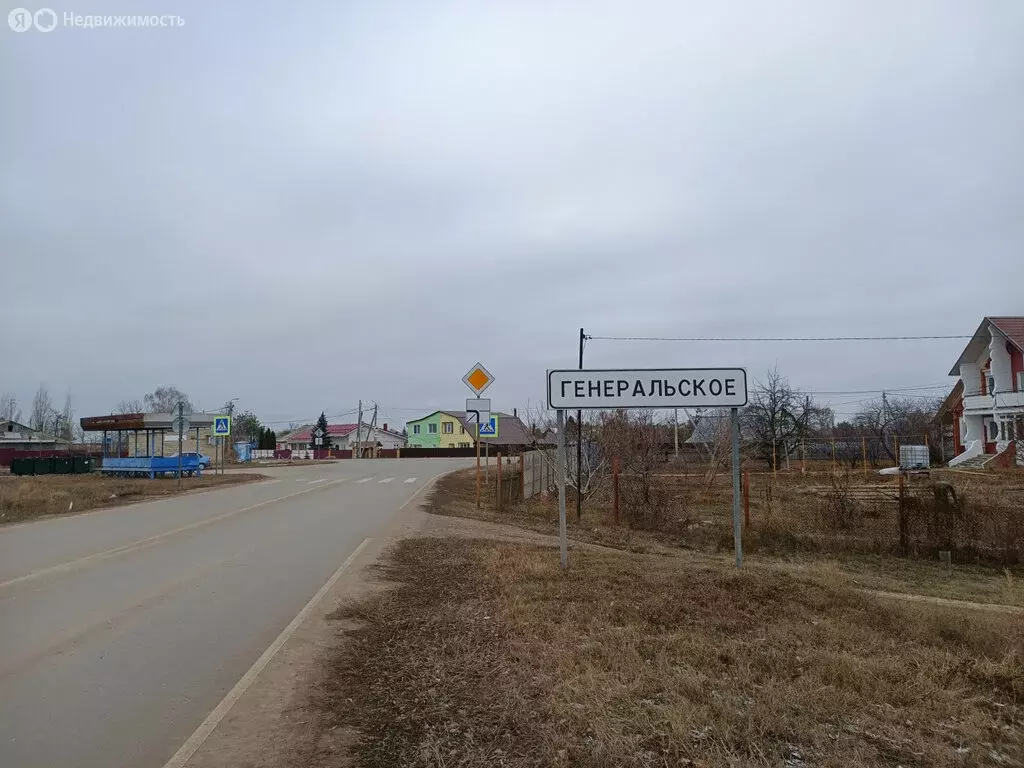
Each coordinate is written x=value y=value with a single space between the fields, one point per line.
x=303 y=207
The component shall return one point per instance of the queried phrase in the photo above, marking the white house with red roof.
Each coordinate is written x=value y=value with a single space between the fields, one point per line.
x=987 y=403
x=343 y=437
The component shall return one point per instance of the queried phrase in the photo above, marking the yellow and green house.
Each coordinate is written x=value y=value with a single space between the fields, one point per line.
x=441 y=429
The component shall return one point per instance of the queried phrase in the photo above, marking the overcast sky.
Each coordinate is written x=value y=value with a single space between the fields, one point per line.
x=305 y=204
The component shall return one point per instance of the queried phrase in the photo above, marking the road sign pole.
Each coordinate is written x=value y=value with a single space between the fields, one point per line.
x=737 y=531
x=478 y=465
x=487 y=462
x=563 y=545
x=181 y=438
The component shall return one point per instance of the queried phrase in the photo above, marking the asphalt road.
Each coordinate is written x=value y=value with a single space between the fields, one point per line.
x=121 y=629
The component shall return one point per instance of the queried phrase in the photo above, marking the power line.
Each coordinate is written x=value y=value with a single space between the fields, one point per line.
x=775 y=338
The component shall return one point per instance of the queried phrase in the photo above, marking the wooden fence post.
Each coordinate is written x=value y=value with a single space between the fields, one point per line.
x=522 y=476
x=746 y=498
x=615 y=487
x=833 y=454
x=864 y=454
x=903 y=527
x=500 y=489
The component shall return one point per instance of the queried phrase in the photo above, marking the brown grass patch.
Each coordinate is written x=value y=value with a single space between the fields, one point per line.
x=785 y=531
x=486 y=654
x=25 y=498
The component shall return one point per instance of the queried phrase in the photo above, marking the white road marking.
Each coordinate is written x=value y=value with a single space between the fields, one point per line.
x=299 y=479
x=365 y=480
x=155 y=539
x=411 y=479
x=270 y=482
x=385 y=480
x=314 y=482
x=202 y=733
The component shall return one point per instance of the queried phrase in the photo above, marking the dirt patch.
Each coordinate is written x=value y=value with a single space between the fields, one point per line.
x=26 y=498
x=487 y=654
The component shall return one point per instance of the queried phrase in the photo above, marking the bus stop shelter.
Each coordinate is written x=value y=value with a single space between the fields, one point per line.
x=133 y=458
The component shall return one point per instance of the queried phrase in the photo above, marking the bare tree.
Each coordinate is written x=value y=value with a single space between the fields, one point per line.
x=165 y=399
x=712 y=434
x=42 y=407
x=539 y=420
x=131 y=406
x=777 y=417
x=9 y=410
x=883 y=419
x=67 y=416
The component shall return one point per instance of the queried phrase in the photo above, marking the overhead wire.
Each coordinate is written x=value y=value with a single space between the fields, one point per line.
x=778 y=338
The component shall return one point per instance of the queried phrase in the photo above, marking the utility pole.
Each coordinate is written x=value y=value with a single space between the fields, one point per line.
x=579 y=445
x=359 y=430
x=371 y=430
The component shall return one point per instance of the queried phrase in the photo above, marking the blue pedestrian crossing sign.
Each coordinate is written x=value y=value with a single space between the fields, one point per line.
x=489 y=428
x=221 y=426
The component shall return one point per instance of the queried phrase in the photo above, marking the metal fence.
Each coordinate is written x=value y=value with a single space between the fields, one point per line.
x=538 y=472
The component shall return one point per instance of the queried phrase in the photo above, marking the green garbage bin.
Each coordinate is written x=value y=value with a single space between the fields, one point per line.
x=63 y=465
x=43 y=466
x=22 y=467
x=83 y=465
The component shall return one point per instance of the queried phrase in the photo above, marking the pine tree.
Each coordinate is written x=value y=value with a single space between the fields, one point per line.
x=321 y=424
x=271 y=439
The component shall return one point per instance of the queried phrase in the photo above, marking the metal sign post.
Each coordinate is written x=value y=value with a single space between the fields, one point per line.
x=563 y=544
x=478 y=379
x=737 y=531
x=649 y=388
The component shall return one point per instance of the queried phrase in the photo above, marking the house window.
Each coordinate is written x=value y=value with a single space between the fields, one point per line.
x=1008 y=431
x=463 y=445
x=448 y=427
x=415 y=429
x=432 y=429
x=993 y=431
x=1020 y=381
x=991 y=385
x=462 y=430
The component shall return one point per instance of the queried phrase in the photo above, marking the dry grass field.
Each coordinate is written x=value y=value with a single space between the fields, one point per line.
x=25 y=498
x=487 y=654
x=793 y=524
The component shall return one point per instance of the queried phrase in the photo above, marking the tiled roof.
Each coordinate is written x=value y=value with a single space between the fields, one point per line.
x=511 y=430
x=334 y=430
x=1012 y=328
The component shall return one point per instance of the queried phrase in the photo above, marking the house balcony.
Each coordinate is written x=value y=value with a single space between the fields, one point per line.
x=1009 y=400
x=979 y=404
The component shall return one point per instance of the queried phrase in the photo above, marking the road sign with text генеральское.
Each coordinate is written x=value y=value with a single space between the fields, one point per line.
x=648 y=388
x=221 y=426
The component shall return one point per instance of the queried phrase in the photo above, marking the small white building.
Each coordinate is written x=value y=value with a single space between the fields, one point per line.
x=343 y=437
x=23 y=438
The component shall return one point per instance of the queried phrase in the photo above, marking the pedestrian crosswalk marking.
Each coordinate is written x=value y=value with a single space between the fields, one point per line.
x=314 y=482
x=365 y=480
x=411 y=479
x=386 y=480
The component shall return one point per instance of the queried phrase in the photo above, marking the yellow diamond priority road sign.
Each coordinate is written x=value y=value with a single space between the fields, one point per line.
x=478 y=379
